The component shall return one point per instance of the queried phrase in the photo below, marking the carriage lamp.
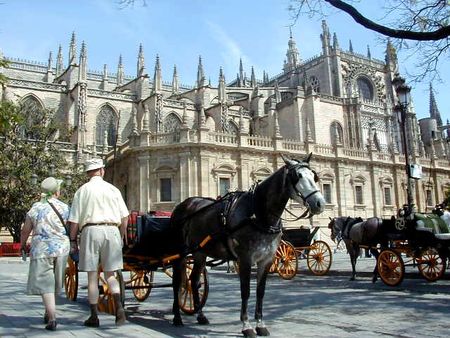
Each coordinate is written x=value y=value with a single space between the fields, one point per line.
x=400 y=109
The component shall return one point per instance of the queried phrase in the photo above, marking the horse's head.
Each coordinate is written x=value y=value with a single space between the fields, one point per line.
x=336 y=226
x=303 y=187
x=333 y=230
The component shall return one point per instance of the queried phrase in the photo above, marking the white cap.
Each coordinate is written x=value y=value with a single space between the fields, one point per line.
x=51 y=184
x=93 y=164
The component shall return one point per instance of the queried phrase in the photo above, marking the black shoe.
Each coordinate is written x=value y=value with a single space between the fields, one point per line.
x=46 y=319
x=92 y=322
x=51 y=326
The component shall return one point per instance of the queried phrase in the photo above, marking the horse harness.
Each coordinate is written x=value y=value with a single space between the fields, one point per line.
x=347 y=227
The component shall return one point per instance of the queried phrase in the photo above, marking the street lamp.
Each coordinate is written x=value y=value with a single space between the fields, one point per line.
x=401 y=109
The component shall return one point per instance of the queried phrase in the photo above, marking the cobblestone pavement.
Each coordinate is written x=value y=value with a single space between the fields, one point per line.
x=306 y=306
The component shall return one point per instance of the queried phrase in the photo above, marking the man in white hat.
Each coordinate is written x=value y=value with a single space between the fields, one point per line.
x=49 y=247
x=101 y=215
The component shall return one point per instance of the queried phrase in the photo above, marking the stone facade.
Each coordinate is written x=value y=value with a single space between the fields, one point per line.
x=176 y=141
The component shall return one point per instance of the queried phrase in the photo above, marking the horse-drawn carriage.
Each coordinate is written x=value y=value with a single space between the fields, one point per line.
x=153 y=229
x=244 y=226
x=410 y=239
x=299 y=243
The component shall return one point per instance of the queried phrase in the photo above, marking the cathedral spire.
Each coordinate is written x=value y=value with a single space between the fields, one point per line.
x=72 y=50
x=391 y=53
x=350 y=46
x=157 y=79
x=434 y=111
x=369 y=55
x=253 y=83
x=105 y=72
x=222 y=93
x=50 y=62
x=59 y=62
x=325 y=37
x=140 y=62
x=241 y=74
x=175 y=85
x=200 y=73
x=82 y=75
x=292 y=54
x=120 y=72
x=335 y=42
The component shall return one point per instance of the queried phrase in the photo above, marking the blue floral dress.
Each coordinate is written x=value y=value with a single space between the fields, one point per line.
x=49 y=238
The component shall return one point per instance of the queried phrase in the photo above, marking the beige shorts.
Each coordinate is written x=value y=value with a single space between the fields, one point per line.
x=46 y=275
x=100 y=244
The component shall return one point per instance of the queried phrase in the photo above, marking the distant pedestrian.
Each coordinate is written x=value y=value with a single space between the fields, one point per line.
x=49 y=247
x=101 y=215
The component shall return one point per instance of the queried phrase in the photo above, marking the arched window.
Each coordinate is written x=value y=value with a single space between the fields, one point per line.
x=232 y=128
x=34 y=114
x=336 y=133
x=365 y=88
x=106 y=123
x=171 y=123
x=314 y=83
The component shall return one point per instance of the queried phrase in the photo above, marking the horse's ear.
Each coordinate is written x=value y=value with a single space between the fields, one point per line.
x=286 y=160
x=330 y=218
x=306 y=160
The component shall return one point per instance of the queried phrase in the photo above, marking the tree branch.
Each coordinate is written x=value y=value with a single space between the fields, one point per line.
x=438 y=34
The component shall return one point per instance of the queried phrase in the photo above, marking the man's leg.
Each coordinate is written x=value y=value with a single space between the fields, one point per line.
x=93 y=320
x=114 y=286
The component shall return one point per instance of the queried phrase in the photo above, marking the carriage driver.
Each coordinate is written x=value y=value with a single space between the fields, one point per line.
x=100 y=214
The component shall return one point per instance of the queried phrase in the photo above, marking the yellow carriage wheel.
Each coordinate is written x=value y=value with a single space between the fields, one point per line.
x=71 y=280
x=391 y=267
x=319 y=258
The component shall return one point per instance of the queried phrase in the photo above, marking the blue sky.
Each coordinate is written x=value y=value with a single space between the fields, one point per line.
x=179 y=31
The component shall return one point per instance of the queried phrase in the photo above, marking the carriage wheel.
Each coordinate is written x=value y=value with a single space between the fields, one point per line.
x=141 y=284
x=185 y=295
x=71 y=280
x=391 y=267
x=431 y=265
x=319 y=258
x=286 y=260
x=105 y=298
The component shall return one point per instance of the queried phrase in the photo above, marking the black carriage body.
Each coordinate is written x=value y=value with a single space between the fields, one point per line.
x=299 y=237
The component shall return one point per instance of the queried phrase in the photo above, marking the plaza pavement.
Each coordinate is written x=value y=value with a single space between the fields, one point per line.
x=306 y=306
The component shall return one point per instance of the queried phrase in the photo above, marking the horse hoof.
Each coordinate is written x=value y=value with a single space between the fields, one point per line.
x=352 y=278
x=202 y=320
x=374 y=279
x=262 y=331
x=177 y=322
x=249 y=333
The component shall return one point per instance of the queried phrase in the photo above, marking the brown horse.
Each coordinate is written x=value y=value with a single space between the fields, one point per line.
x=242 y=226
x=356 y=232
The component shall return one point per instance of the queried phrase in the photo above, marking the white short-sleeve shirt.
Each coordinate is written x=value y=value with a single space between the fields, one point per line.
x=97 y=201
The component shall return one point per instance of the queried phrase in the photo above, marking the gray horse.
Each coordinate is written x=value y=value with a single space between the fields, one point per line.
x=242 y=226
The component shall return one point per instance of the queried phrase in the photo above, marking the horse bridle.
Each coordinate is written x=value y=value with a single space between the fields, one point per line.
x=294 y=180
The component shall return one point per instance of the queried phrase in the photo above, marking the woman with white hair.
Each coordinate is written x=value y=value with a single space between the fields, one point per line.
x=49 y=247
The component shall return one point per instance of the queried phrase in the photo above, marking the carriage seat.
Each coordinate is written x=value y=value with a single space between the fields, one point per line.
x=148 y=223
x=432 y=223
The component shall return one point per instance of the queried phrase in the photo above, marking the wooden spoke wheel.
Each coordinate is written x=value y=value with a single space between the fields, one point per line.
x=391 y=267
x=286 y=260
x=431 y=265
x=319 y=258
x=105 y=298
x=141 y=284
x=185 y=295
x=71 y=280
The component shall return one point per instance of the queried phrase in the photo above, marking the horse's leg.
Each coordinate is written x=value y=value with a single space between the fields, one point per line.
x=176 y=282
x=263 y=270
x=244 y=276
x=199 y=265
x=375 y=254
x=354 y=252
